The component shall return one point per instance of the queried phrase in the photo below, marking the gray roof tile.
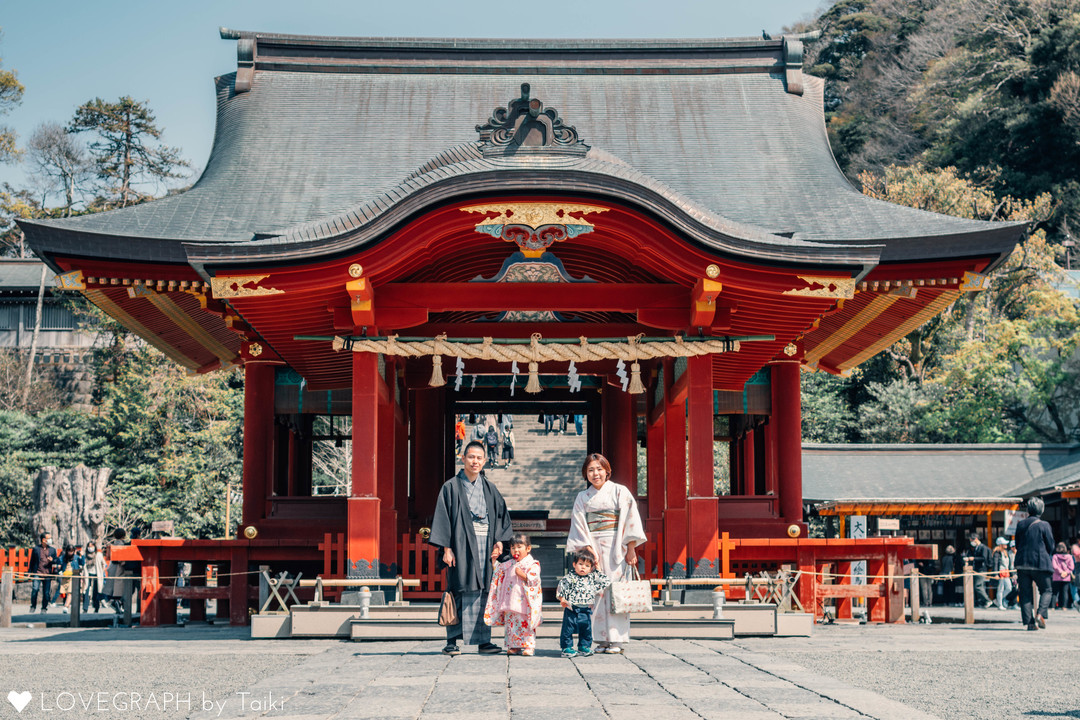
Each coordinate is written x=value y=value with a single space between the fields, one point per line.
x=305 y=147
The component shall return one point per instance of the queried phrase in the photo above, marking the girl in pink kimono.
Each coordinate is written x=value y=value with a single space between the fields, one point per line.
x=514 y=599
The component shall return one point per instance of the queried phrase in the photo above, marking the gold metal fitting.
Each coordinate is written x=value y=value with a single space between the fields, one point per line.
x=250 y=532
x=713 y=271
x=425 y=532
x=356 y=270
x=794 y=530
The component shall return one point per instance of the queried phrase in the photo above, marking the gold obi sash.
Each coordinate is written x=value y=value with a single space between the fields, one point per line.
x=604 y=521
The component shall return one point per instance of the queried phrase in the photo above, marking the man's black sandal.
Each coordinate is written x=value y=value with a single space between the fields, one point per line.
x=451 y=649
x=489 y=649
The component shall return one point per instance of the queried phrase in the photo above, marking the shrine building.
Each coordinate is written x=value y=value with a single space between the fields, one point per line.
x=652 y=233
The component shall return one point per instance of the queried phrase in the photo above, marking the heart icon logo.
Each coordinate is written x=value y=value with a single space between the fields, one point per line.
x=19 y=700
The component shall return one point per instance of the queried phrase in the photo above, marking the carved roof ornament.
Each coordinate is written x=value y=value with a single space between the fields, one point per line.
x=534 y=226
x=525 y=126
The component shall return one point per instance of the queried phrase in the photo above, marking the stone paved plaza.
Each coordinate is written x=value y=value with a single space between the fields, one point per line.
x=994 y=669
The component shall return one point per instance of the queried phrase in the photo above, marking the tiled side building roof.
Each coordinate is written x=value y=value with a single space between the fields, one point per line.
x=927 y=472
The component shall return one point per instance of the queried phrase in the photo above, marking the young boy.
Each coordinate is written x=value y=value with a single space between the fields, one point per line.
x=577 y=593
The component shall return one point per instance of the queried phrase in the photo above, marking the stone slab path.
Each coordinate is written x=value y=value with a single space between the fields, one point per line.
x=656 y=679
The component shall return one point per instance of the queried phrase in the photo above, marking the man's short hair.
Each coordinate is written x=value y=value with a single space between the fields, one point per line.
x=474 y=444
x=43 y=535
x=1035 y=506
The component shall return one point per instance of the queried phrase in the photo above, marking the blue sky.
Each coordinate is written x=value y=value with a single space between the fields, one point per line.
x=167 y=53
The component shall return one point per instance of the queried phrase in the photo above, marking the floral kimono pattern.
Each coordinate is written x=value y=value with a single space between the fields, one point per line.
x=516 y=603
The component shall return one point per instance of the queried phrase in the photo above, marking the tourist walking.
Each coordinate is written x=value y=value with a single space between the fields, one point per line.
x=70 y=564
x=42 y=565
x=508 y=447
x=979 y=557
x=93 y=575
x=1003 y=570
x=515 y=599
x=1034 y=543
x=1061 y=582
x=605 y=521
x=946 y=570
x=1076 y=575
x=471 y=528
x=459 y=435
x=491 y=439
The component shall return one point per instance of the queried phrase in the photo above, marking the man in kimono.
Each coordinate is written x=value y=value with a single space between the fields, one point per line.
x=472 y=528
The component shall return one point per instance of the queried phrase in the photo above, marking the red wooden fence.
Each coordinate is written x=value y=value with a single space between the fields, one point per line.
x=18 y=559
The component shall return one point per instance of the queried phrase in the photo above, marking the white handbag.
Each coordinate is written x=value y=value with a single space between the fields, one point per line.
x=631 y=596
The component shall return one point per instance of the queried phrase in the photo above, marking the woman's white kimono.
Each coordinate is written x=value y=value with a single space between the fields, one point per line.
x=607 y=520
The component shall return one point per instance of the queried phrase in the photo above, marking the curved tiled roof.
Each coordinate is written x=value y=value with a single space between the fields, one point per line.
x=732 y=149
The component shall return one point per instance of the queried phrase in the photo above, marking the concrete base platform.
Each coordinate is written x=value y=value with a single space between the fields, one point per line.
x=418 y=622
x=794 y=624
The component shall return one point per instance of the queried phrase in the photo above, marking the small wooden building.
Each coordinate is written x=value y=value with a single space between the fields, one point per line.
x=630 y=204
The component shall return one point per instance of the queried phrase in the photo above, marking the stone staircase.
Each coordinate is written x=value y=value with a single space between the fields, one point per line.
x=546 y=474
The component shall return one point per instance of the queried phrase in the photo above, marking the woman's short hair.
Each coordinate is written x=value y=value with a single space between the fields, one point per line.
x=590 y=459
x=1035 y=506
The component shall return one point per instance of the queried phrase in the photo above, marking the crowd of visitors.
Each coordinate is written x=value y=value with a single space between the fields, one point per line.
x=100 y=581
x=1016 y=569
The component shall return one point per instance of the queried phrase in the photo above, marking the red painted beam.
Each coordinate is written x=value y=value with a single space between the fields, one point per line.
x=440 y=297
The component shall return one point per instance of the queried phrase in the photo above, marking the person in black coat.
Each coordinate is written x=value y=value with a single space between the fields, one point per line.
x=1034 y=546
x=978 y=555
x=471 y=527
x=43 y=560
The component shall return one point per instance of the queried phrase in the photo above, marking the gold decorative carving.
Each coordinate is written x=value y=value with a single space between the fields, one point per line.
x=138 y=291
x=356 y=270
x=240 y=286
x=790 y=349
x=713 y=271
x=255 y=349
x=825 y=287
x=534 y=227
x=974 y=282
x=71 y=281
x=534 y=214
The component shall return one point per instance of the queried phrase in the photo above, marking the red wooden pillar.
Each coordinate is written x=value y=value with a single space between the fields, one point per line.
x=808 y=581
x=654 y=466
x=151 y=602
x=620 y=434
x=362 y=533
x=238 y=585
x=747 y=466
x=675 y=526
x=787 y=414
x=258 y=439
x=401 y=463
x=428 y=451
x=702 y=505
x=388 y=535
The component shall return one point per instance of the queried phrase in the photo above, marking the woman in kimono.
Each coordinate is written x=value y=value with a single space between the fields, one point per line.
x=606 y=522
